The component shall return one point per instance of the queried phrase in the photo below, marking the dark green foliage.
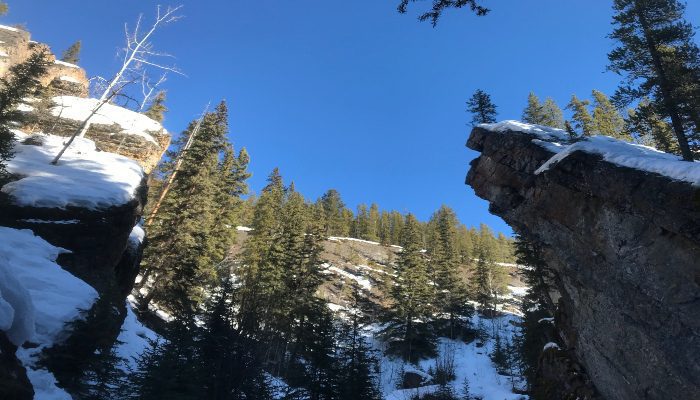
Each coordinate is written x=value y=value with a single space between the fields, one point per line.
x=482 y=108
x=409 y=334
x=606 y=118
x=450 y=300
x=156 y=111
x=192 y=231
x=333 y=208
x=536 y=306
x=72 y=54
x=441 y=5
x=499 y=356
x=660 y=61
x=21 y=81
x=644 y=122
x=358 y=363
x=489 y=279
x=443 y=392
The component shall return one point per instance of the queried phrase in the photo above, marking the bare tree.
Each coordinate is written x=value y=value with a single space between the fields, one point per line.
x=139 y=55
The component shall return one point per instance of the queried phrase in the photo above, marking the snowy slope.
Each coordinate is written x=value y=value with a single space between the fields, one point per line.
x=39 y=298
x=134 y=338
x=84 y=176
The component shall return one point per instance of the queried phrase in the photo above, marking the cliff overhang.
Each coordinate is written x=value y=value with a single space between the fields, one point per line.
x=620 y=228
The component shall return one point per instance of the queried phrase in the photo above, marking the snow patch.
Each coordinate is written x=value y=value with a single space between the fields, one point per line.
x=542 y=132
x=83 y=178
x=3 y=54
x=631 y=155
x=69 y=79
x=362 y=282
x=339 y=239
x=9 y=28
x=131 y=122
x=42 y=296
x=134 y=338
x=65 y=64
x=243 y=229
x=550 y=345
x=136 y=236
x=46 y=221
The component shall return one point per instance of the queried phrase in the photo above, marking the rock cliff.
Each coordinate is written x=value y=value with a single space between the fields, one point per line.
x=620 y=228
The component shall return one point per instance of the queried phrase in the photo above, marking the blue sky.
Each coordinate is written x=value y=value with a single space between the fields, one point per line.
x=349 y=94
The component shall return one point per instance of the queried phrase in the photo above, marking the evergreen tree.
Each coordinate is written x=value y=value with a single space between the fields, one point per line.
x=373 y=223
x=156 y=111
x=482 y=108
x=21 y=81
x=533 y=112
x=408 y=333
x=489 y=279
x=660 y=61
x=384 y=228
x=536 y=308
x=3 y=8
x=499 y=356
x=185 y=241
x=450 y=294
x=72 y=54
x=649 y=127
x=441 y=5
x=357 y=362
x=334 y=217
x=606 y=119
x=583 y=121
x=552 y=115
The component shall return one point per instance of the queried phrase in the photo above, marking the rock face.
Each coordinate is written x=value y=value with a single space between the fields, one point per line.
x=624 y=245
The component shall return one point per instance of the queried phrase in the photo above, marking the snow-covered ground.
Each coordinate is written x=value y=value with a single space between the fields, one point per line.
x=84 y=177
x=37 y=299
x=131 y=122
x=471 y=362
x=134 y=338
x=615 y=151
x=363 y=282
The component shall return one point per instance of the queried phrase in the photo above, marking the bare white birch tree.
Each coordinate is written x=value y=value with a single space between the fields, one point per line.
x=139 y=55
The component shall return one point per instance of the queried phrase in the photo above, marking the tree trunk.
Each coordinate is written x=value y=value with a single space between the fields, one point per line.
x=664 y=85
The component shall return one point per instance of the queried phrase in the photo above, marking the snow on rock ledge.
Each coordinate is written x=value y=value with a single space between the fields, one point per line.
x=84 y=177
x=131 y=123
x=616 y=151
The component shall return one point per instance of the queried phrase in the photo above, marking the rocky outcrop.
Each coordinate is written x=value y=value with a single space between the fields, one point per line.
x=69 y=80
x=16 y=46
x=624 y=245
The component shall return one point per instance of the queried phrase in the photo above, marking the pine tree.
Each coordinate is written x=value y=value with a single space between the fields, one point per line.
x=156 y=111
x=21 y=81
x=373 y=223
x=408 y=333
x=185 y=241
x=660 y=61
x=648 y=126
x=72 y=54
x=552 y=115
x=489 y=279
x=533 y=112
x=583 y=121
x=3 y=8
x=482 y=108
x=450 y=293
x=333 y=208
x=441 y=5
x=606 y=119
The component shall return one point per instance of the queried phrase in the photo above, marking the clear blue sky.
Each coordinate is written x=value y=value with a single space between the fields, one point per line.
x=349 y=94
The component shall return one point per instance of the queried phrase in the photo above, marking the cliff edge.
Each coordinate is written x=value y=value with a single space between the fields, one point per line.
x=620 y=228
